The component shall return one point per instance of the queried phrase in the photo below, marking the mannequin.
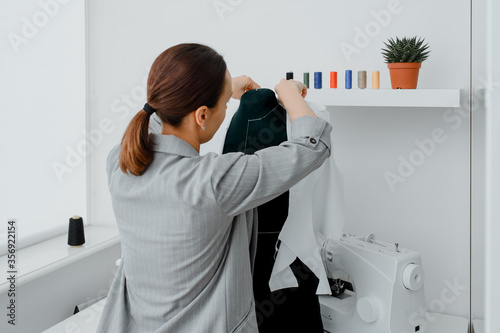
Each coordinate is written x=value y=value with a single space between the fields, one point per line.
x=260 y=122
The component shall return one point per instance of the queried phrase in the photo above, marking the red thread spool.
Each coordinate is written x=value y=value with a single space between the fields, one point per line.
x=333 y=79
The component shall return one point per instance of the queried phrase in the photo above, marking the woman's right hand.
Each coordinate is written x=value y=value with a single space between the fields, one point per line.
x=290 y=87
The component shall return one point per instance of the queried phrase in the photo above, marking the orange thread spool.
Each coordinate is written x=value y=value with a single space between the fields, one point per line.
x=333 y=79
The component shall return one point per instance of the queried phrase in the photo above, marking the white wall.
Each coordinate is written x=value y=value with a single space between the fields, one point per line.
x=429 y=212
x=42 y=122
x=479 y=181
x=493 y=179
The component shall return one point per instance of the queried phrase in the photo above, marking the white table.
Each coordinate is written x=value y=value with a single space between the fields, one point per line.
x=86 y=321
x=447 y=324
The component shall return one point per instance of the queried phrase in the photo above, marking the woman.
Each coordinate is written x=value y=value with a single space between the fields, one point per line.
x=186 y=221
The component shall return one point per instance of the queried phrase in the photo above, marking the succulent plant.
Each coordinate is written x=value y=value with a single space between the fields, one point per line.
x=405 y=50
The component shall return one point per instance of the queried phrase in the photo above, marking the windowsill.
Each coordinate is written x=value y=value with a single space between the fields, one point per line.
x=45 y=257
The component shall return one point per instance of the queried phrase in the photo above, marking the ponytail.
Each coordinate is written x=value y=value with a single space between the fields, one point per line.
x=136 y=152
x=182 y=78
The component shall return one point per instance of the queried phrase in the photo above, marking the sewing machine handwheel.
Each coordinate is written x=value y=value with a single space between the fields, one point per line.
x=413 y=277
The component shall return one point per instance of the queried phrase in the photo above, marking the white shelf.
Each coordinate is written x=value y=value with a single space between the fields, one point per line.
x=440 y=98
x=47 y=256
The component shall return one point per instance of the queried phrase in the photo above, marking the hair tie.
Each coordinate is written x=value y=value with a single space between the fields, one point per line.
x=149 y=109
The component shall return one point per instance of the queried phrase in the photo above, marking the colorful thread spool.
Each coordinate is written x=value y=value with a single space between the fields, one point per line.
x=361 y=79
x=333 y=79
x=348 y=79
x=289 y=76
x=318 y=80
x=306 y=79
x=376 y=80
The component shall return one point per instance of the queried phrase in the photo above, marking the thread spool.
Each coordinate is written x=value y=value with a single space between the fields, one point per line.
x=361 y=79
x=76 y=234
x=306 y=79
x=333 y=79
x=289 y=76
x=376 y=80
x=318 y=80
x=348 y=79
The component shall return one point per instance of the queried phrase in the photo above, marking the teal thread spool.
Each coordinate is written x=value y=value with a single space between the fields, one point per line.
x=306 y=79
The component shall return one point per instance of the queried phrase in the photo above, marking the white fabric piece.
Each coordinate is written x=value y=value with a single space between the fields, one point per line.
x=316 y=213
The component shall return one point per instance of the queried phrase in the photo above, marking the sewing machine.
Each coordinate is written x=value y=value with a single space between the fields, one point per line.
x=377 y=287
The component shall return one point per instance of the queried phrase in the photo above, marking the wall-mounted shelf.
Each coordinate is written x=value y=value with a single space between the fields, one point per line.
x=439 y=98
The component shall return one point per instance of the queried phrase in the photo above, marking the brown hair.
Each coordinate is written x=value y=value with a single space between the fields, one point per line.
x=182 y=78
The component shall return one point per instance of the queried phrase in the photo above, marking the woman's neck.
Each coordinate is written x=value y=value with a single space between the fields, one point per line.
x=183 y=133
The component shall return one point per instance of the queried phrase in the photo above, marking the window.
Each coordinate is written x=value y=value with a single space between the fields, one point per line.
x=43 y=140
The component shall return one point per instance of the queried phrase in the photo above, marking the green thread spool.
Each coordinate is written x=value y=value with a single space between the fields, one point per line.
x=306 y=79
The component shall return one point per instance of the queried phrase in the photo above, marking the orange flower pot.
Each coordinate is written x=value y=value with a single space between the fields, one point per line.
x=404 y=75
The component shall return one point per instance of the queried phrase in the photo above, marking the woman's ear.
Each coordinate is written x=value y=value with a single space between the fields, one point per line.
x=202 y=115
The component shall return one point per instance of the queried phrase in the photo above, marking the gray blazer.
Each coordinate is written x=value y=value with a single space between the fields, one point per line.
x=188 y=230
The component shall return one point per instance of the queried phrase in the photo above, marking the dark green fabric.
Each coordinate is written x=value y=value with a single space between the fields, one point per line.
x=260 y=122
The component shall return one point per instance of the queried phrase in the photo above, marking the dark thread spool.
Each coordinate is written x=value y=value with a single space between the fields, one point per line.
x=76 y=234
x=289 y=76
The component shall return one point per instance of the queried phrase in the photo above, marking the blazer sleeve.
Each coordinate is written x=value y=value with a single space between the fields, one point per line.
x=242 y=182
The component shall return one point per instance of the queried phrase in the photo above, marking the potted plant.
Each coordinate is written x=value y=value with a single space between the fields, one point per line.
x=404 y=58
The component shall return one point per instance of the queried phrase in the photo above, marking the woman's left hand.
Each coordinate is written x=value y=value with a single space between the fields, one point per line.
x=241 y=84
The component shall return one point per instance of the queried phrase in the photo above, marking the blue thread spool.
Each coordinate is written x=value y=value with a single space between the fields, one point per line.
x=318 y=80
x=348 y=79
